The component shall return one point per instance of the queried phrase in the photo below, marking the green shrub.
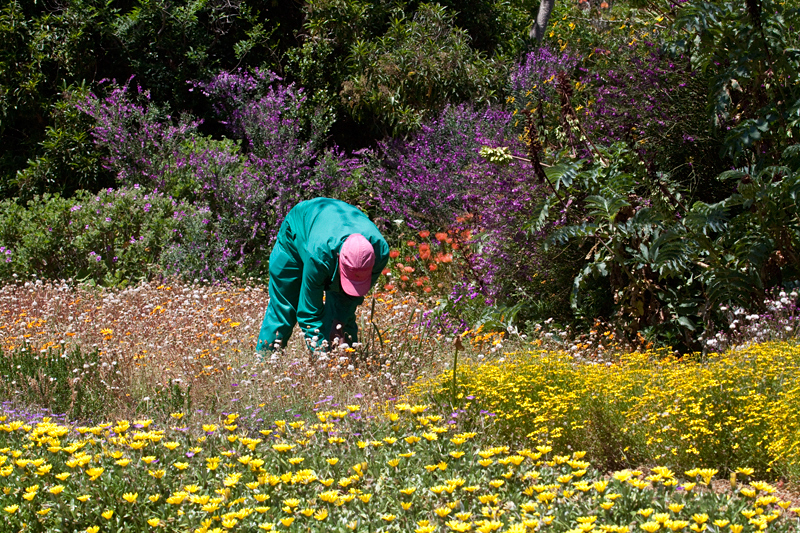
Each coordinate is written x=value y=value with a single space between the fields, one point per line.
x=113 y=236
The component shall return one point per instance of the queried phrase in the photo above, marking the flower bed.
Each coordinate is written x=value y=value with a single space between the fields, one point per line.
x=409 y=470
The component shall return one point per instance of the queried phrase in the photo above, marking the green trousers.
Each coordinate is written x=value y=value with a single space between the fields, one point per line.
x=285 y=282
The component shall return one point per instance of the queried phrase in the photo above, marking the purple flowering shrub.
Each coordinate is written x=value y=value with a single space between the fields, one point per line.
x=423 y=180
x=535 y=79
x=110 y=236
x=655 y=104
x=246 y=186
x=534 y=88
x=202 y=249
x=283 y=162
x=437 y=180
x=633 y=93
x=142 y=143
x=273 y=119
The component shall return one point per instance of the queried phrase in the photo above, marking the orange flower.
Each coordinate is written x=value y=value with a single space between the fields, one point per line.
x=394 y=254
x=424 y=234
x=388 y=287
x=424 y=254
x=385 y=271
x=419 y=283
x=441 y=236
x=432 y=267
x=411 y=244
x=403 y=278
x=427 y=289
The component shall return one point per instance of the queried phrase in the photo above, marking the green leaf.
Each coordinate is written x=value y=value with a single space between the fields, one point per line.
x=563 y=174
x=685 y=322
x=606 y=208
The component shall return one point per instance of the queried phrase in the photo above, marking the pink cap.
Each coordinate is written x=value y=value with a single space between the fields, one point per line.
x=356 y=260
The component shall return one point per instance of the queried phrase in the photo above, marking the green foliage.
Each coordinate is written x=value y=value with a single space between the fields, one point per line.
x=387 y=65
x=671 y=266
x=413 y=70
x=111 y=237
x=751 y=53
x=168 y=43
x=498 y=28
x=763 y=238
x=43 y=51
x=68 y=161
x=64 y=381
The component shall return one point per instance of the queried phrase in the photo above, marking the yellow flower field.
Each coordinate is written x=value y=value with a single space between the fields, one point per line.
x=732 y=409
x=193 y=432
x=410 y=470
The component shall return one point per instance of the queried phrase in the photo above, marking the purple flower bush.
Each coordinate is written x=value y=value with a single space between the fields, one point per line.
x=535 y=78
x=437 y=180
x=246 y=187
x=282 y=162
x=423 y=179
x=640 y=99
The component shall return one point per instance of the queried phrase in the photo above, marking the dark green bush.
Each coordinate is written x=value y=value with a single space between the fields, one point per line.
x=109 y=237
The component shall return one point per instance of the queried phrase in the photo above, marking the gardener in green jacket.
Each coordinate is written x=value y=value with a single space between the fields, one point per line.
x=324 y=246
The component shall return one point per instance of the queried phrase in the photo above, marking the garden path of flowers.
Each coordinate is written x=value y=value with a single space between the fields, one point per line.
x=192 y=434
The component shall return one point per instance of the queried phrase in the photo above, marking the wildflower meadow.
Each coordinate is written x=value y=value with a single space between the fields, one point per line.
x=195 y=433
x=589 y=318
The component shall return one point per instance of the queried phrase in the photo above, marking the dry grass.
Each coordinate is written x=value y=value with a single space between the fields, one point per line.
x=163 y=345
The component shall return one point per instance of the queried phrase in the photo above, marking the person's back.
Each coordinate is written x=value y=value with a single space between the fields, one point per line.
x=321 y=225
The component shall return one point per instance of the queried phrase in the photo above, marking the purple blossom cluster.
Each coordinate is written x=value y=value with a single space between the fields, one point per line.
x=142 y=144
x=535 y=78
x=437 y=180
x=642 y=100
x=248 y=188
x=423 y=180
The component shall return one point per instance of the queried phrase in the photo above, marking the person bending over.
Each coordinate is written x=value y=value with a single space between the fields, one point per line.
x=324 y=247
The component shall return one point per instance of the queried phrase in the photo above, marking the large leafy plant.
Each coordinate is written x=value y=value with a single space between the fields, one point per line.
x=751 y=52
x=671 y=265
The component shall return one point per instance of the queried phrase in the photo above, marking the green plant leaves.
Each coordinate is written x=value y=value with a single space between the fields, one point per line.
x=672 y=267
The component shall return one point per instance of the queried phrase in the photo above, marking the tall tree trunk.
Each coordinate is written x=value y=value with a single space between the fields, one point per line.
x=538 y=29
